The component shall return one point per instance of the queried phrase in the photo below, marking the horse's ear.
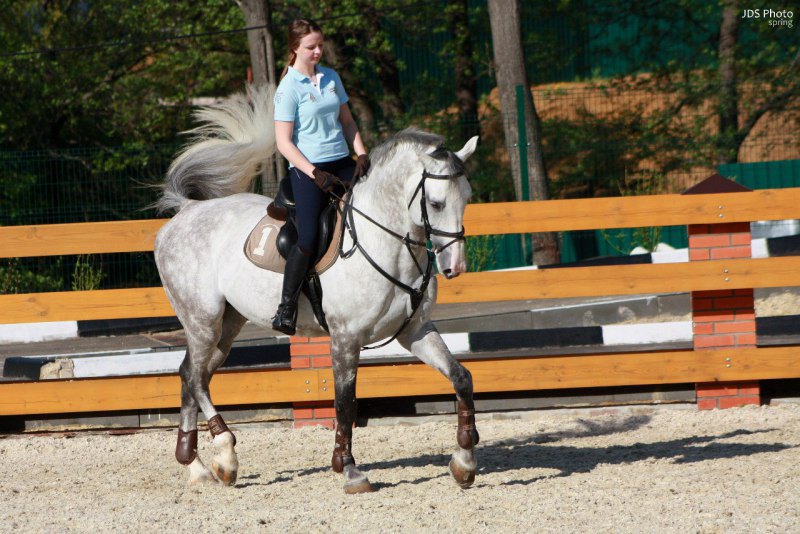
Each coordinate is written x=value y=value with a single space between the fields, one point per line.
x=468 y=149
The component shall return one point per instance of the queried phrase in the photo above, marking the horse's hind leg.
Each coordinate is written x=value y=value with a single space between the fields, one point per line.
x=186 y=449
x=427 y=345
x=208 y=348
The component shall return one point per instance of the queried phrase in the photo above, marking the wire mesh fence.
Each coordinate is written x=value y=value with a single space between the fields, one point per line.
x=80 y=185
x=594 y=145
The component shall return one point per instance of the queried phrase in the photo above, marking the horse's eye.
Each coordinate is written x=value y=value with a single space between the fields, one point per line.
x=438 y=206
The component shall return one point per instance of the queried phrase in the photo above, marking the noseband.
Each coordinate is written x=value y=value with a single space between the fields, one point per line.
x=415 y=294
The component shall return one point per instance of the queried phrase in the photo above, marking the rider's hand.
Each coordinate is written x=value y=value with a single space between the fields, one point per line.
x=362 y=166
x=325 y=180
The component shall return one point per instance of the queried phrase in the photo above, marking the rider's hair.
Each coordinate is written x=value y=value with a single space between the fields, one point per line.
x=297 y=30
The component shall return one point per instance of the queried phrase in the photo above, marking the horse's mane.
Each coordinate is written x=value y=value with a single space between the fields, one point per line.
x=419 y=141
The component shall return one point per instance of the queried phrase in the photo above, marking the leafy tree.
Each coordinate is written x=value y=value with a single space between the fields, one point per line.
x=705 y=54
x=135 y=87
x=101 y=90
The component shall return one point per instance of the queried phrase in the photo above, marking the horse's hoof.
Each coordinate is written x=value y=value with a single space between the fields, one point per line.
x=464 y=477
x=362 y=486
x=199 y=474
x=202 y=479
x=356 y=481
x=223 y=474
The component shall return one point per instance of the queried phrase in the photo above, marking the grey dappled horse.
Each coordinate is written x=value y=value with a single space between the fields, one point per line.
x=415 y=189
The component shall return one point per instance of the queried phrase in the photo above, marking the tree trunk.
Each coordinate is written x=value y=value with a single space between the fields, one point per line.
x=258 y=13
x=385 y=62
x=728 y=97
x=509 y=60
x=466 y=81
x=361 y=103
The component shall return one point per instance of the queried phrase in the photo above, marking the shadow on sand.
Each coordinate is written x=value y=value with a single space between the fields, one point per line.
x=541 y=450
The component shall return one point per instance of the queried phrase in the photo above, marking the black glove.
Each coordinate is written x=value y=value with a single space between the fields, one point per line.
x=362 y=166
x=325 y=180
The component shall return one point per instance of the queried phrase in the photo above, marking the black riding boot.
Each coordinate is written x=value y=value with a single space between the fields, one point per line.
x=297 y=264
x=312 y=289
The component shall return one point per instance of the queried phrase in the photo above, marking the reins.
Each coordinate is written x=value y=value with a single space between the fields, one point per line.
x=416 y=295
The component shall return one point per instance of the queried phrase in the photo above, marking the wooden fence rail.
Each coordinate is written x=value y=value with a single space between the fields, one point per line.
x=469 y=287
x=230 y=388
x=510 y=374
x=480 y=219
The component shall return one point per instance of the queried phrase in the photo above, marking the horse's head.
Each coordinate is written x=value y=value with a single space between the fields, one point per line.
x=436 y=201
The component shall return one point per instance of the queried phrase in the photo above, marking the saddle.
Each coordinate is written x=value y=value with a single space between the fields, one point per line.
x=275 y=234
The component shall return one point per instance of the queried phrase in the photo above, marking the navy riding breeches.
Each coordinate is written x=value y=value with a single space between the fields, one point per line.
x=310 y=200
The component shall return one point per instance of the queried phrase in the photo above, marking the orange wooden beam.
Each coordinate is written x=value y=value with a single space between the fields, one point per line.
x=479 y=219
x=631 y=212
x=78 y=238
x=617 y=280
x=401 y=380
x=469 y=287
x=148 y=392
x=85 y=305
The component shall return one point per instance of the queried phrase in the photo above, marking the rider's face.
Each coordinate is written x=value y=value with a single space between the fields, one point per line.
x=310 y=49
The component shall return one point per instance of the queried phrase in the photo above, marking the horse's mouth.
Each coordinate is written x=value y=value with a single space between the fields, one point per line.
x=448 y=273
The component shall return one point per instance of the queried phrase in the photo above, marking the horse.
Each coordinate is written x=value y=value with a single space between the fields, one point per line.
x=414 y=194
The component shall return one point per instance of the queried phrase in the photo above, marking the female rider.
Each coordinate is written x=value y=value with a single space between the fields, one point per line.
x=313 y=125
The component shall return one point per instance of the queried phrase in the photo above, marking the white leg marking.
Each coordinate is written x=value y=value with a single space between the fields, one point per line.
x=225 y=463
x=199 y=473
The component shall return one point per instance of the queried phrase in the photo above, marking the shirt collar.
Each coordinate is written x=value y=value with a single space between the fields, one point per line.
x=300 y=77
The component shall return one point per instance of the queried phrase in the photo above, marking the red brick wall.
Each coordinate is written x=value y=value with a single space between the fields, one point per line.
x=723 y=319
x=312 y=353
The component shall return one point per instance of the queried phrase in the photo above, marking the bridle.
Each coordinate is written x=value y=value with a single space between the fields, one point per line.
x=416 y=295
x=429 y=230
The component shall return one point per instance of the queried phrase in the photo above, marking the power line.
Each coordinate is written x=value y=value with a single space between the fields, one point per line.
x=112 y=44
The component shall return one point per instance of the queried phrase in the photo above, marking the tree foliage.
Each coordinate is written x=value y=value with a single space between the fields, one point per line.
x=135 y=87
x=84 y=123
x=712 y=97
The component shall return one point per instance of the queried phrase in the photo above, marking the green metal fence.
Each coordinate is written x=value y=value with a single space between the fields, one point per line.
x=764 y=174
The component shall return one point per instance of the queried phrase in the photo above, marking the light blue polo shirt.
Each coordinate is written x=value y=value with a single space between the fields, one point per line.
x=315 y=112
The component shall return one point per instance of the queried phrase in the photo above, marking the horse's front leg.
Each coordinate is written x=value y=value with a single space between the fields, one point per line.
x=426 y=344
x=345 y=366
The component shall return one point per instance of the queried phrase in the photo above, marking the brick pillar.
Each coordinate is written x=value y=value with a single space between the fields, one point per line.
x=726 y=318
x=312 y=353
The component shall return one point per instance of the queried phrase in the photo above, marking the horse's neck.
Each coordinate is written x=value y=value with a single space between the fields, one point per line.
x=383 y=200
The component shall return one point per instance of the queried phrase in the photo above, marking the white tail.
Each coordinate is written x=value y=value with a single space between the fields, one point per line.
x=226 y=151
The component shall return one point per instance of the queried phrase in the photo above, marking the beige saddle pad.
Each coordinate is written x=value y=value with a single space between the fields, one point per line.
x=261 y=250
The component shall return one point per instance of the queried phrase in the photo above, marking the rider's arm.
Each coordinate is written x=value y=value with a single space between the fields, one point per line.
x=350 y=129
x=284 y=131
